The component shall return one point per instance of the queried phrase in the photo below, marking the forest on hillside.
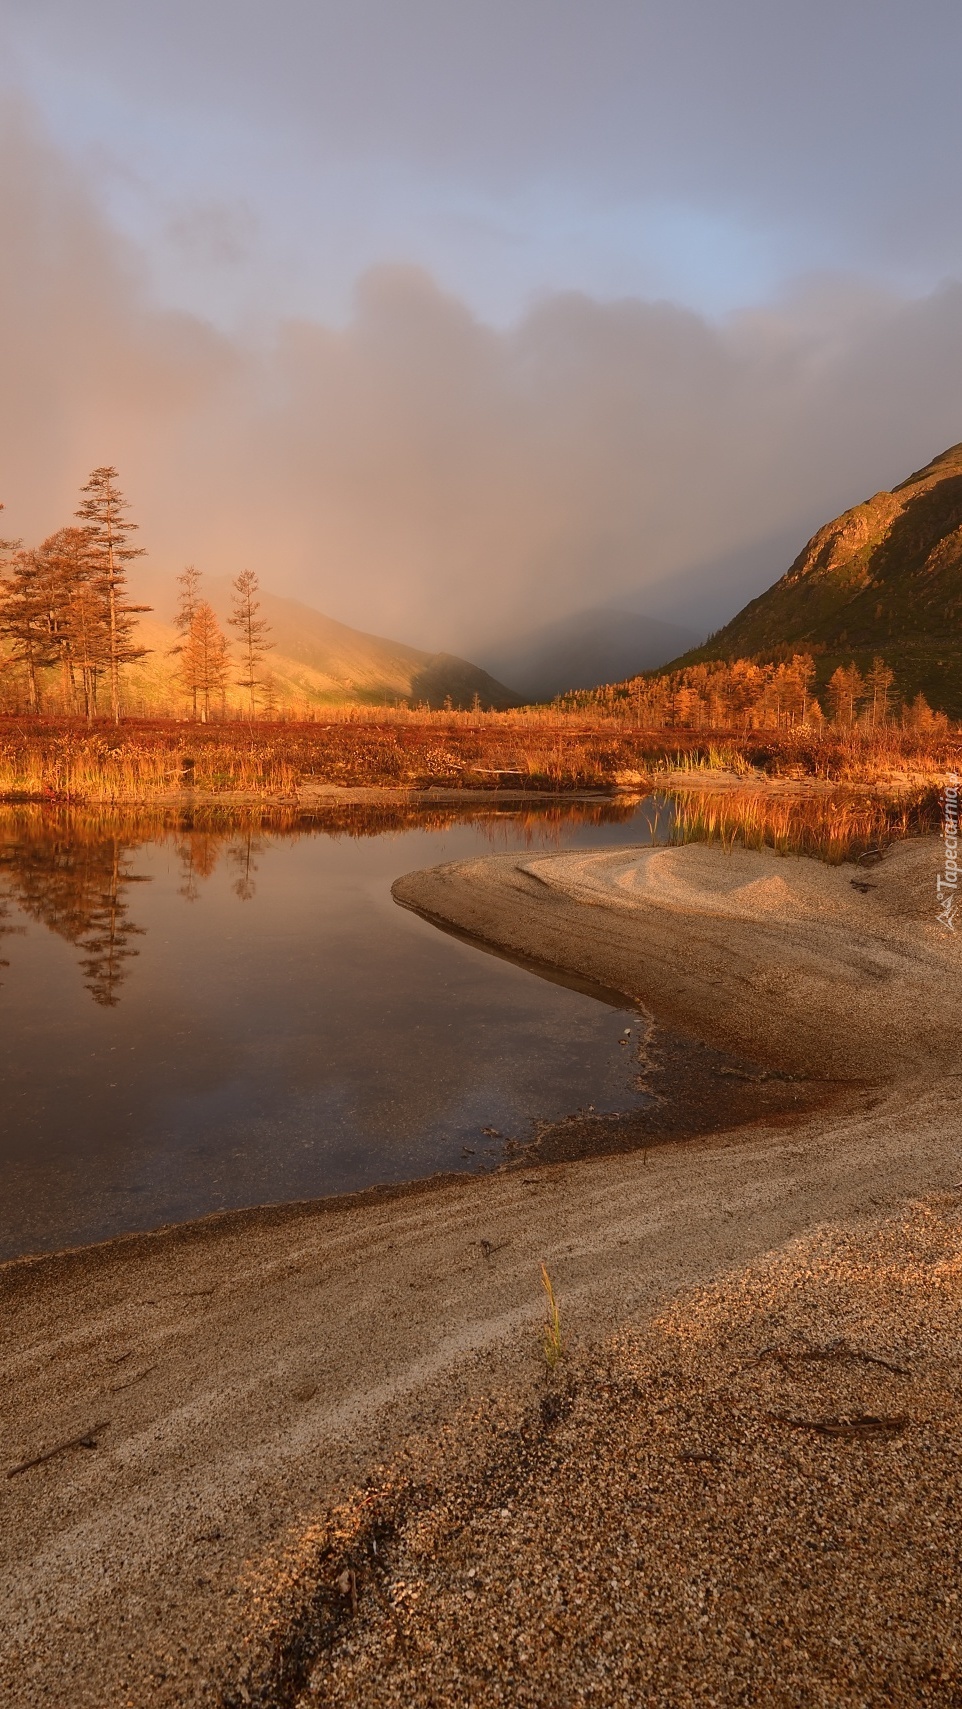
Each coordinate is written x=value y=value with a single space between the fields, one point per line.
x=745 y=694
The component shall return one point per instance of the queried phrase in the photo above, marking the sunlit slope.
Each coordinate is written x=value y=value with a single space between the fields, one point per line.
x=884 y=578
x=317 y=661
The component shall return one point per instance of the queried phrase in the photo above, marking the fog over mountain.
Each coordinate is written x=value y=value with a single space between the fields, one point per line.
x=456 y=458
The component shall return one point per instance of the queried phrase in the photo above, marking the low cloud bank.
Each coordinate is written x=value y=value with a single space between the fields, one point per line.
x=423 y=475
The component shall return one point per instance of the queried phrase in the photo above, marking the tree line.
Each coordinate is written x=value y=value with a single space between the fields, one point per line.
x=743 y=694
x=67 y=616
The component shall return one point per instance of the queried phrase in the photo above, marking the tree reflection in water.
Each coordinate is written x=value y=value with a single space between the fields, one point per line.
x=71 y=868
x=71 y=872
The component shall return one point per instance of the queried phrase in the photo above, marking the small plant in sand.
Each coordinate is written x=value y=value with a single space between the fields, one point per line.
x=552 y=1343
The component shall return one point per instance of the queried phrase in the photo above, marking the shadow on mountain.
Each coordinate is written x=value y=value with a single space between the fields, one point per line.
x=587 y=649
x=446 y=680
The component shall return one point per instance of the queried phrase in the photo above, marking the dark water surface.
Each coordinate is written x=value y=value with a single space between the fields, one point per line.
x=230 y=1012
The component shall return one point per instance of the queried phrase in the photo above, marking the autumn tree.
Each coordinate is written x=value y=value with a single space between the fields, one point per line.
x=252 y=632
x=78 y=618
x=205 y=661
x=7 y=546
x=920 y=716
x=269 y=695
x=189 y=584
x=108 y=530
x=25 y=617
x=846 y=689
x=878 y=682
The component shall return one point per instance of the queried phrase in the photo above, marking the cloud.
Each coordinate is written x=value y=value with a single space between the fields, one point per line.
x=420 y=473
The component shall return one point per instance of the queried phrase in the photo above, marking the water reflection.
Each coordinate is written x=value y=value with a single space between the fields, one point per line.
x=265 y=1022
x=71 y=869
x=72 y=874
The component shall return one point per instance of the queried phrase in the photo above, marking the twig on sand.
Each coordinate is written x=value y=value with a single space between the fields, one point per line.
x=86 y=1439
x=488 y=1248
x=839 y=1350
x=117 y=1388
x=862 y=1429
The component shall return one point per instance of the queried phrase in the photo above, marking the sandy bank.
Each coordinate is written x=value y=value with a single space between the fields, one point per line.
x=255 y=1366
x=244 y=1372
x=834 y=971
x=751 y=1500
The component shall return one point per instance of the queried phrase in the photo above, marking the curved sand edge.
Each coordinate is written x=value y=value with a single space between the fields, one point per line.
x=254 y=1368
x=777 y=958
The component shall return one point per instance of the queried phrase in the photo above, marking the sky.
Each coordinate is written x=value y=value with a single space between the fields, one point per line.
x=454 y=317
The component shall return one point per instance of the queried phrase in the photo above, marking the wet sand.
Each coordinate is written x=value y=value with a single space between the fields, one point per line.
x=240 y=1374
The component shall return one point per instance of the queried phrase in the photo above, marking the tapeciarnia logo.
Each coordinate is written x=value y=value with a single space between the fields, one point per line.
x=947 y=881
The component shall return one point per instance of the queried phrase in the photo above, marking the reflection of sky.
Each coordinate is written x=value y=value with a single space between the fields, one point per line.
x=313 y=1039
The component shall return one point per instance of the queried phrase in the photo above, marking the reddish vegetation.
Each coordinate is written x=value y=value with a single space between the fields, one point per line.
x=542 y=751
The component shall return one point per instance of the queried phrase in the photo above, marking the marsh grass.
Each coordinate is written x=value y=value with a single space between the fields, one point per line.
x=833 y=827
x=538 y=750
x=552 y=1343
x=723 y=757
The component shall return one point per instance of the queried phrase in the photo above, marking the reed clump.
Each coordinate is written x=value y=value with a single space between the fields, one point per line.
x=833 y=827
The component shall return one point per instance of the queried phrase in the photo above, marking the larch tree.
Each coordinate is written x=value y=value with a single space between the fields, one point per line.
x=205 y=661
x=25 y=617
x=189 y=584
x=878 y=682
x=77 y=616
x=846 y=690
x=108 y=529
x=252 y=631
x=7 y=546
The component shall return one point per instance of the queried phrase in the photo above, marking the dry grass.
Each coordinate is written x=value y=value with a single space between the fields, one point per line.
x=552 y=1343
x=541 y=750
x=834 y=827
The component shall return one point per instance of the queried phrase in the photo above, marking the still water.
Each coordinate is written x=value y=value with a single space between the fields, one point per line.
x=224 y=1012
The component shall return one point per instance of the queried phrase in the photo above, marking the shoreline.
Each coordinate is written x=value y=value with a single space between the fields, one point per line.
x=759 y=953
x=310 y=795
x=255 y=1366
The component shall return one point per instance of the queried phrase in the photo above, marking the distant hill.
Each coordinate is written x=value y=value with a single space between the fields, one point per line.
x=885 y=579
x=317 y=661
x=583 y=651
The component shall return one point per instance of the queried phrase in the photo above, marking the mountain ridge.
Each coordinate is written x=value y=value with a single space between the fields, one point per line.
x=317 y=661
x=882 y=579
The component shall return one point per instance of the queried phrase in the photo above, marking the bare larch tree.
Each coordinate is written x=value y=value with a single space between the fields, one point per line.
x=108 y=531
x=252 y=632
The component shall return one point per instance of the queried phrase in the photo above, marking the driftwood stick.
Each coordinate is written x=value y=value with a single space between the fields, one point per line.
x=84 y=1440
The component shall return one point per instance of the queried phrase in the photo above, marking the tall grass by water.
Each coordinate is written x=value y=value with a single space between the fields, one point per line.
x=834 y=827
x=539 y=751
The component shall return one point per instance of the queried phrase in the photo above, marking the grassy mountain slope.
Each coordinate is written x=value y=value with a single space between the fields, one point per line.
x=316 y=661
x=885 y=578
